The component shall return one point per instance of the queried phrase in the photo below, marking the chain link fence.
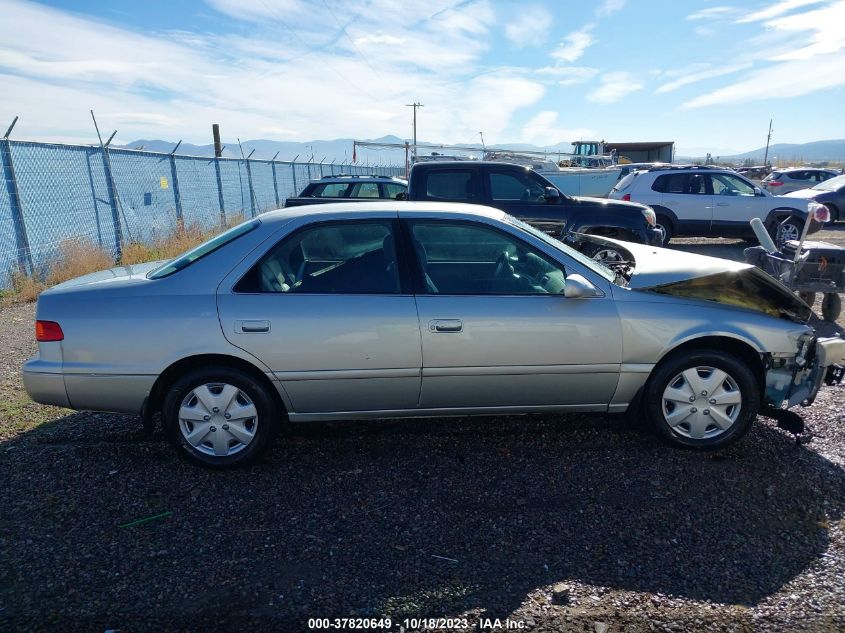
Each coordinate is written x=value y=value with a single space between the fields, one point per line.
x=53 y=192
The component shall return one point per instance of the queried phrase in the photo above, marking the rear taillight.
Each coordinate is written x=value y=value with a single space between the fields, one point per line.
x=46 y=331
x=627 y=197
x=774 y=183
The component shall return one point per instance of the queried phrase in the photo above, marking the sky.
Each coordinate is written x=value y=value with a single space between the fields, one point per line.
x=708 y=75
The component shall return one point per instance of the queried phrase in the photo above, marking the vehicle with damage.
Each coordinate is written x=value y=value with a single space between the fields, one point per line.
x=392 y=309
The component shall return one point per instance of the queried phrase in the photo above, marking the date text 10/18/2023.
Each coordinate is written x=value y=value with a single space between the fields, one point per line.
x=415 y=624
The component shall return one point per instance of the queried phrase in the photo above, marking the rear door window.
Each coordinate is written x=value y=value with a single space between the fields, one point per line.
x=364 y=190
x=331 y=190
x=450 y=185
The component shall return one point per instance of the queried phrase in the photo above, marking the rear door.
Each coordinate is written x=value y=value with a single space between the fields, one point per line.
x=686 y=194
x=327 y=310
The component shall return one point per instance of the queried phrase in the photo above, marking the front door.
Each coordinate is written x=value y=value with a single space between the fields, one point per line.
x=735 y=203
x=521 y=193
x=325 y=310
x=497 y=330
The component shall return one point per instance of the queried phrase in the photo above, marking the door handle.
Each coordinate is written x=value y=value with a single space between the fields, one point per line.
x=249 y=327
x=445 y=325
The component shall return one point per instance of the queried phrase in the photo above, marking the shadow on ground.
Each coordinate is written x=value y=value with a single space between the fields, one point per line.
x=423 y=518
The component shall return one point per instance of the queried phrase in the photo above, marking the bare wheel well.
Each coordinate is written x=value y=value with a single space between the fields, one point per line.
x=741 y=350
x=181 y=367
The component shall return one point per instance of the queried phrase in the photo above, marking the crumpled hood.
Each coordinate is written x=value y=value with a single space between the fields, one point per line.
x=680 y=274
x=656 y=266
x=132 y=273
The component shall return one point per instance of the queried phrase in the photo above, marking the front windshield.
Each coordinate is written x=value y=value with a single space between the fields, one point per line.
x=592 y=264
x=203 y=249
x=831 y=184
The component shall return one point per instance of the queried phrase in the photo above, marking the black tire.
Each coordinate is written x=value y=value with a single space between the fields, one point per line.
x=672 y=366
x=266 y=421
x=831 y=307
x=808 y=297
x=665 y=224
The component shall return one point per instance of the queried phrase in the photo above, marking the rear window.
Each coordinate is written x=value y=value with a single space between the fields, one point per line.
x=449 y=185
x=206 y=248
x=626 y=182
x=670 y=183
x=330 y=190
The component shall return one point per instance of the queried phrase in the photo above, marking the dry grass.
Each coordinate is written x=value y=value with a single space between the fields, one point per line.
x=77 y=257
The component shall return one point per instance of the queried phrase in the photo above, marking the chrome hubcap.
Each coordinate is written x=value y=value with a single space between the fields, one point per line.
x=608 y=255
x=789 y=232
x=218 y=419
x=701 y=402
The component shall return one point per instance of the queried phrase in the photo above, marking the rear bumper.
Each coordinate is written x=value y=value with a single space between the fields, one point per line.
x=46 y=388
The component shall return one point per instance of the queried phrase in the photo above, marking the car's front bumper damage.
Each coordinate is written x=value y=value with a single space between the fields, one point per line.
x=797 y=380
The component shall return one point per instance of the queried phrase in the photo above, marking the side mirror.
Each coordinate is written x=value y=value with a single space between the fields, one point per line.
x=758 y=191
x=579 y=288
x=551 y=194
x=402 y=195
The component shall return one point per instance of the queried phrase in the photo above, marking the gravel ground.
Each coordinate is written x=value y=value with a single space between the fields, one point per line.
x=557 y=522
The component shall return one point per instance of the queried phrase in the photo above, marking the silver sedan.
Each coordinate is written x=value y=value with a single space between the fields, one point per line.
x=390 y=309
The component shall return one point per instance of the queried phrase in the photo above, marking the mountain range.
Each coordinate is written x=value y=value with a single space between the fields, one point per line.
x=340 y=150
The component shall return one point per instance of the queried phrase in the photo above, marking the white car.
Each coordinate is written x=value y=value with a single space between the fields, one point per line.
x=698 y=201
x=783 y=181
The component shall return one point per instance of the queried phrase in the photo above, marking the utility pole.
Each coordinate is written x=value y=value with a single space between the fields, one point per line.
x=768 y=140
x=215 y=134
x=414 y=105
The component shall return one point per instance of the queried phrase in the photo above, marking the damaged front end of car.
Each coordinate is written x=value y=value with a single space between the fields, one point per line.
x=791 y=378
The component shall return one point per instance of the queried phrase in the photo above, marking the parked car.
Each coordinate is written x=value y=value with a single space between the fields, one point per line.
x=830 y=193
x=783 y=181
x=756 y=173
x=701 y=201
x=529 y=196
x=344 y=188
x=376 y=310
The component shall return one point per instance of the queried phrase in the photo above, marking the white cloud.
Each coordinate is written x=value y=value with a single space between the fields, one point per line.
x=797 y=55
x=614 y=86
x=529 y=27
x=695 y=73
x=713 y=13
x=569 y=75
x=542 y=129
x=777 y=9
x=320 y=83
x=609 y=7
x=573 y=45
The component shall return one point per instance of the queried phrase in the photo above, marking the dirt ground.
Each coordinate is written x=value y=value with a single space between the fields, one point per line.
x=551 y=523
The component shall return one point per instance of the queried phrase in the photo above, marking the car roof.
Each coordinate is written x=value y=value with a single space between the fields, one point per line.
x=791 y=169
x=353 y=208
x=358 y=178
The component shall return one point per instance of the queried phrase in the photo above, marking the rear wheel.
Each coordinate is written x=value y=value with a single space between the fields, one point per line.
x=702 y=399
x=789 y=229
x=219 y=417
x=831 y=307
x=665 y=227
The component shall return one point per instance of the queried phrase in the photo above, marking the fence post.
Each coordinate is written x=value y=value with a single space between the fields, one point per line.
x=177 y=199
x=251 y=192
x=21 y=238
x=275 y=182
x=220 y=191
x=95 y=198
x=115 y=213
x=293 y=174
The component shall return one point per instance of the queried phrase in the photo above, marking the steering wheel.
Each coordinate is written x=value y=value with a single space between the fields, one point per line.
x=503 y=266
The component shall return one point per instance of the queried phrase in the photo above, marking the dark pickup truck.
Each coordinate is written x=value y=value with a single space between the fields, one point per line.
x=526 y=195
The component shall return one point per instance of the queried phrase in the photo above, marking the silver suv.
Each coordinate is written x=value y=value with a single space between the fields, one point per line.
x=783 y=181
x=696 y=201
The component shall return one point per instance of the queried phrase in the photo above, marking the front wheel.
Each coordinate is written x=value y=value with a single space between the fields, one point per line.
x=789 y=229
x=831 y=307
x=702 y=400
x=219 y=417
